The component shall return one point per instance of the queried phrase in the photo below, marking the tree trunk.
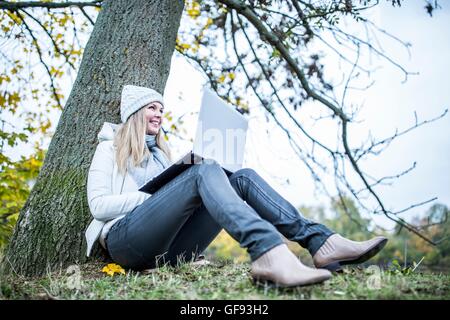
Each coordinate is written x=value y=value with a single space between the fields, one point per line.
x=132 y=43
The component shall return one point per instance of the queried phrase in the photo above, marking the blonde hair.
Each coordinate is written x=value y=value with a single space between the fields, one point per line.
x=130 y=145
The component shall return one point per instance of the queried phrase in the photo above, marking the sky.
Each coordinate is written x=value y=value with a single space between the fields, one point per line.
x=389 y=104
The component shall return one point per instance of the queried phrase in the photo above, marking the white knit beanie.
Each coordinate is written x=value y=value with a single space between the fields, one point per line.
x=134 y=98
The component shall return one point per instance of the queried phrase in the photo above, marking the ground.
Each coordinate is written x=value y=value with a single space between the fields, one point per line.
x=220 y=280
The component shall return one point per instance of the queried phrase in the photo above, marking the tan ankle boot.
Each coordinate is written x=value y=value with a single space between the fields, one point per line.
x=338 y=251
x=280 y=266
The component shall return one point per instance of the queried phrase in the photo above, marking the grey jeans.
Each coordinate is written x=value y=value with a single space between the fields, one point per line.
x=181 y=219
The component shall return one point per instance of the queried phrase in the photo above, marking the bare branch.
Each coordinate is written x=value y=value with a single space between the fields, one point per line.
x=273 y=40
x=275 y=92
x=55 y=45
x=12 y=6
x=86 y=15
x=381 y=180
x=386 y=142
x=407 y=45
x=38 y=49
x=296 y=147
x=347 y=212
x=415 y=205
x=356 y=39
x=350 y=78
x=387 y=213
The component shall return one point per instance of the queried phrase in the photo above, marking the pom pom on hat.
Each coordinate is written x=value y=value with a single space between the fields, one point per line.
x=134 y=98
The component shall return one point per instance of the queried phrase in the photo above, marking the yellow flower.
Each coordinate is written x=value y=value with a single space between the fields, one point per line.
x=113 y=268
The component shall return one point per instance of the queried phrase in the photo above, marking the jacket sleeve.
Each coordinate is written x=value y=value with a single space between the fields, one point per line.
x=105 y=205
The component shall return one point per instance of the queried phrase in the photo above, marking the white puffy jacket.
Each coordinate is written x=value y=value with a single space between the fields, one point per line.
x=110 y=194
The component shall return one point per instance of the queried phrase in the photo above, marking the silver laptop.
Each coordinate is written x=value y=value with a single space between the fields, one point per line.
x=220 y=136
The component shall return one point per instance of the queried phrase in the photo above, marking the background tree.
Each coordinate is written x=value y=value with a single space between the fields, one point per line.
x=14 y=190
x=51 y=224
x=409 y=249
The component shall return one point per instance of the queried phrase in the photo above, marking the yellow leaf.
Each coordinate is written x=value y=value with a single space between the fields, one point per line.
x=194 y=13
x=4 y=78
x=13 y=98
x=76 y=52
x=193 y=10
x=112 y=268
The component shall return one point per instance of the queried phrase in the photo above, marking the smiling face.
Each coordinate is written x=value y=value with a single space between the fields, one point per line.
x=153 y=116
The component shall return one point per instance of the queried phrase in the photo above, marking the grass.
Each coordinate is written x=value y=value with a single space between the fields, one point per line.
x=221 y=280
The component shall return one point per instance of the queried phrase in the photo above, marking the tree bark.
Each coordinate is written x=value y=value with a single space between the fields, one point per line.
x=132 y=43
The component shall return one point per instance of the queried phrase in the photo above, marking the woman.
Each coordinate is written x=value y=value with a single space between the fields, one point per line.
x=180 y=220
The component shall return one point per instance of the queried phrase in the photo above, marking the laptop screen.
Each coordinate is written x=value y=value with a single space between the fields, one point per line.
x=221 y=132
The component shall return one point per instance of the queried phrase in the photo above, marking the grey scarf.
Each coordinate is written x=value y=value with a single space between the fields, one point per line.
x=153 y=165
x=155 y=151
